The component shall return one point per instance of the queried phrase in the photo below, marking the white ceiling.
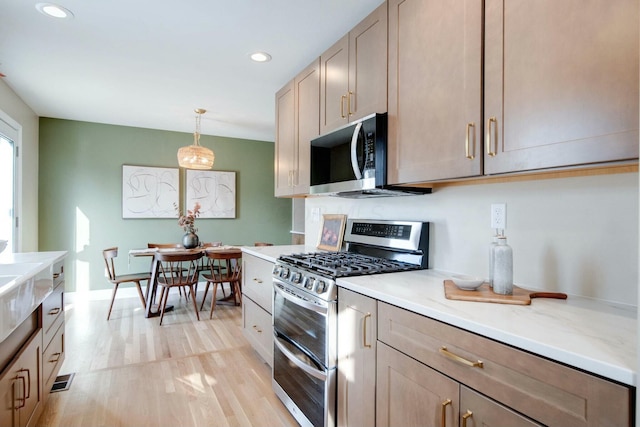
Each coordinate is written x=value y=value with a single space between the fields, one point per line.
x=150 y=63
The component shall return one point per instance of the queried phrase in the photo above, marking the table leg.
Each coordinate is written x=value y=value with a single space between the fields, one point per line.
x=152 y=308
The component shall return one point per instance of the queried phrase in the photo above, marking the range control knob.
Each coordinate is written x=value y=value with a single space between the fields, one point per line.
x=295 y=277
x=321 y=286
x=284 y=272
x=308 y=283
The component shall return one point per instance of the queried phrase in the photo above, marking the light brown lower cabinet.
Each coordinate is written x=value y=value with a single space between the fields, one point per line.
x=21 y=385
x=410 y=393
x=356 y=359
x=432 y=373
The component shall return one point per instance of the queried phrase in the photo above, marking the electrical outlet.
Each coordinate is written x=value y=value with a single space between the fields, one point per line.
x=499 y=215
x=315 y=215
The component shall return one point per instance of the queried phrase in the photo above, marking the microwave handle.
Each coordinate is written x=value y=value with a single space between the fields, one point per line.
x=354 y=154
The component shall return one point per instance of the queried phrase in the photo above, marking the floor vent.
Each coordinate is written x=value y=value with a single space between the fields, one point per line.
x=62 y=383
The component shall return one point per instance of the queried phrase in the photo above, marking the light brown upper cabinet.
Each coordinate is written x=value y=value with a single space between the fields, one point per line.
x=561 y=83
x=354 y=73
x=297 y=122
x=435 y=90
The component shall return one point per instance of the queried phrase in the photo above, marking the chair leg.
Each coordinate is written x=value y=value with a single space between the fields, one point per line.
x=213 y=300
x=237 y=297
x=193 y=298
x=204 y=298
x=139 y=287
x=164 y=296
x=113 y=298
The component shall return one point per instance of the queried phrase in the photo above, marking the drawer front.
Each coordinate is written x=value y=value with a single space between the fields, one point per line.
x=542 y=389
x=52 y=309
x=257 y=329
x=257 y=283
x=53 y=357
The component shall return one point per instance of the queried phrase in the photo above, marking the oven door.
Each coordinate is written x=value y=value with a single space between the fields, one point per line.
x=304 y=358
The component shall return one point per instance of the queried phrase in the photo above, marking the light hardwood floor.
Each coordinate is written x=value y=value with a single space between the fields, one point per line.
x=129 y=371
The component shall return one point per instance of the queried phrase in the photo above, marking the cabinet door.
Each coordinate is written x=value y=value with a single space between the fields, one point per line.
x=307 y=123
x=478 y=410
x=334 y=86
x=561 y=83
x=20 y=385
x=257 y=329
x=412 y=394
x=257 y=282
x=285 y=140
x=368 y=66
x=356 y=359
x=435 y=95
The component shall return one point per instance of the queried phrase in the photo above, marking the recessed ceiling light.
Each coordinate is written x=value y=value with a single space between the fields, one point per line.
x=260 y=57
x=54 y=10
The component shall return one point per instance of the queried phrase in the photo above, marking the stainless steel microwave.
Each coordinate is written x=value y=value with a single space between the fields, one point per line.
x=351 y=158
x=352 y=161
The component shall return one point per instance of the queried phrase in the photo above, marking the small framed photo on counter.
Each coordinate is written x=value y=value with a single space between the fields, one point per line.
x=332 y=232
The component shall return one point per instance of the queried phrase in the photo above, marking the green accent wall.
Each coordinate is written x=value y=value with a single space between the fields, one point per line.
x=80 y=195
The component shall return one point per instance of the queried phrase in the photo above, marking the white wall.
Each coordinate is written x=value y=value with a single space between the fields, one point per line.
x=15 y=108
x=574 y=235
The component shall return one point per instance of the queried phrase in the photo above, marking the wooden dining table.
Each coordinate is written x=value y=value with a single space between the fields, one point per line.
x=150 y=293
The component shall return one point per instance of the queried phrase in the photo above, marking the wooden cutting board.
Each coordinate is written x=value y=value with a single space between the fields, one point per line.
x=485 y=294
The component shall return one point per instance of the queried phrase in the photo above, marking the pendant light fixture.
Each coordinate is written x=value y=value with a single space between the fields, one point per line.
x=195 y=156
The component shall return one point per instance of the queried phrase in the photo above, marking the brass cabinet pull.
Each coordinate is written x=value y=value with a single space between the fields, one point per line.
x=466 y=415
x=258 y=330
x=54 y=311
x=364 y=330
x=24 y=392
x=443 y=414
x=349 y=95
x=342 y=99
x=56 y=359
x=470 y=154
x=255 y=279
x=495 y=136
x=447 y=353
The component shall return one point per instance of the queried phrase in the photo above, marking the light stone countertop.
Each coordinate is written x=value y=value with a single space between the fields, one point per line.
x=26 y=280
x=591 y=335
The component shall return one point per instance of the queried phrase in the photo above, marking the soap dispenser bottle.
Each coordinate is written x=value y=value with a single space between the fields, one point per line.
x=502 y=267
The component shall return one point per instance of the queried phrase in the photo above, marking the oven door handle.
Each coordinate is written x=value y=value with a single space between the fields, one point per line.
x=300 y=301
x=321 y=375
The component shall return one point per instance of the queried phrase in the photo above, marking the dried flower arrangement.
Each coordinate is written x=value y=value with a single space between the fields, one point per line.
x=187 y=222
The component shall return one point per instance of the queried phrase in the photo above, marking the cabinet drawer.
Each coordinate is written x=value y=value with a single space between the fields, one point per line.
x=257 y=283
x=544 y=390
x=52 y=309
x=53 y=357
x=257 y=329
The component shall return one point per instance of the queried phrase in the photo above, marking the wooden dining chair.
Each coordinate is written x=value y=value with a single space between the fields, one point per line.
x=166 y=246
x=177 y=270
x=109 y=255
x=226 y=267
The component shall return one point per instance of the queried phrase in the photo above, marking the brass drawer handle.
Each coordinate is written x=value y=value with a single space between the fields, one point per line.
x=342 y=99
x=255 y=279
x=470 y=154
x=349 y=103
x=466 y=415
x=258 y=330
x=447 y=353
x=57 y=357
x=443 y=414
x=54 y=311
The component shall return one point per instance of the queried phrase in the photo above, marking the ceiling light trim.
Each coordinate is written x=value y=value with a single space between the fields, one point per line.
x=260 y=57
x=54 y=10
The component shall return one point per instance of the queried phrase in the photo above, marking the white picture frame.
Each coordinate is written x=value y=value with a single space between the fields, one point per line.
x=215 y=191
x=150 y=192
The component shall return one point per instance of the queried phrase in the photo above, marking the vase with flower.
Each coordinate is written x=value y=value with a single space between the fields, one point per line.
x=190 y=240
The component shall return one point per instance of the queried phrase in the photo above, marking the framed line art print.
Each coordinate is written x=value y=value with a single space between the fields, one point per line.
x=332 y=232
x=149 y=192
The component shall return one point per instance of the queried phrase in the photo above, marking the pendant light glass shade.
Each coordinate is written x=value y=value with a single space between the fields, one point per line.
x=195 y=156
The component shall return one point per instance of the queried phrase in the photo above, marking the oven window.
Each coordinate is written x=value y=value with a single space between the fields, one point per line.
x=305 y=327
x=306 y=391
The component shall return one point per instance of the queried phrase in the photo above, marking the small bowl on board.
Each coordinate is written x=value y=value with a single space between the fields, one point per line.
x=467 y=283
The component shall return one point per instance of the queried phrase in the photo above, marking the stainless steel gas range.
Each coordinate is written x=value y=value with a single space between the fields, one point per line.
x=305 y=309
